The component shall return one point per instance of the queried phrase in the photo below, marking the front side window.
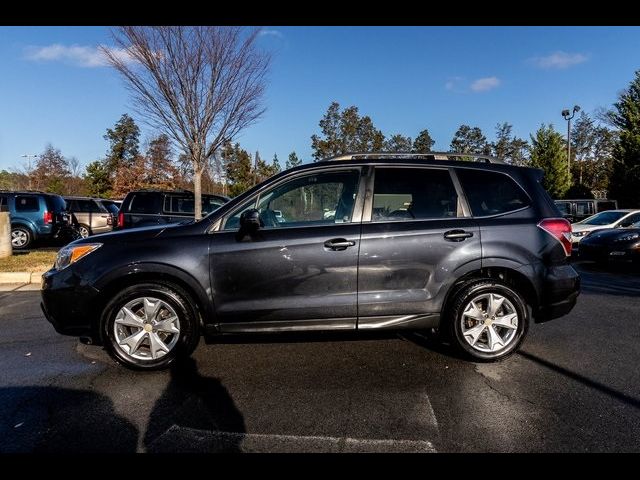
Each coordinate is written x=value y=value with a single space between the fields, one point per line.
x=604 y=218
x=88 y=206
x=491 y=193
x=564 y=207
x=27 y=203
x=584 y=208
x=317 y=199
x=413 y=194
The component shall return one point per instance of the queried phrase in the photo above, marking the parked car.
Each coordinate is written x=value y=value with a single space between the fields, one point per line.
x=476 y=250
x=113 y=206
x=142 y=208
x=579 y=209
x=91 y=215
x=612 y=245
x=602 y=220
x=35 y=216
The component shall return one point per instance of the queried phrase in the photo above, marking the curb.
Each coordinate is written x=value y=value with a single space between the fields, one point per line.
x=20 y=277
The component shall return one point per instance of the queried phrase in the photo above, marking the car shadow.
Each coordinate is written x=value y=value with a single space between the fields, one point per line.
x=57 y=420
x=191 y=414
x=613 y=279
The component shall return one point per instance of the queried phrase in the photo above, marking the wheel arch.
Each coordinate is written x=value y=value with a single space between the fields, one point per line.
x=510 y=276
x=26 y=224
x=130 y=275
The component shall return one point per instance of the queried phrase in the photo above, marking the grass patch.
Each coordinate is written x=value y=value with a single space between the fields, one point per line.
x=31 y=261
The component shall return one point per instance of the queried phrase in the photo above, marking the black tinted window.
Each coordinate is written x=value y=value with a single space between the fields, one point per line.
x=145 y=203
x=27 y=204
x=87 y=206
x=413 y=193
x=491 y=193
x=112 y=207
x=3 y=204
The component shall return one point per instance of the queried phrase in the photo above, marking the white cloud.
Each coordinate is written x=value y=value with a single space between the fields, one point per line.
x=271 y=33
x=79 y=55
x=453 y=83
x=484 y=84
x=559 y=60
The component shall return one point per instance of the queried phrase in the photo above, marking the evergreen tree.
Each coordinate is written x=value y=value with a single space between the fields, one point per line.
x=275 y=164
x=470 y=140
x=123 y=143
x=98 y=179
x=344 y=132
x=238 y=167
x=293 y=161
x=423 y=142
x=398 y=143
x=508 y=147
x=548 y=153
x=625 y=176
x=160 y=169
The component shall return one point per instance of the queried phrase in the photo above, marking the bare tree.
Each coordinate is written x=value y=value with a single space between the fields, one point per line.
x=201 y=85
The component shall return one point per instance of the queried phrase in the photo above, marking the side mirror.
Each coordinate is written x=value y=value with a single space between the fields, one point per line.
x=250 y=223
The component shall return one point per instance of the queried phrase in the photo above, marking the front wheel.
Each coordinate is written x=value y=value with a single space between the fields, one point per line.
x=148 y=326
x=488 y=320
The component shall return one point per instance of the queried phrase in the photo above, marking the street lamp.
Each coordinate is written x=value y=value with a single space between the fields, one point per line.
x=567 y=115
x=29 y=157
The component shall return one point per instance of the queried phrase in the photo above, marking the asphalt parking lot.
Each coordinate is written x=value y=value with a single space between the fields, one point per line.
x=574 y=387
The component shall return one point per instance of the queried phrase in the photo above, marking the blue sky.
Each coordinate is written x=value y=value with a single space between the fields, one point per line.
x=55 y=88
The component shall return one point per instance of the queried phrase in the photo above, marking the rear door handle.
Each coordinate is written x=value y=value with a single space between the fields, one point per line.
x=457 y=235
x=339 y=244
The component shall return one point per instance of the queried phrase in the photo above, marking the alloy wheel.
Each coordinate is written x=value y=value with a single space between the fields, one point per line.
x=489 y=323
x=19 y=238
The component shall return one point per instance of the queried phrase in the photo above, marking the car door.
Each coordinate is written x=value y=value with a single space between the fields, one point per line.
x=417 y=238
x=300 y=270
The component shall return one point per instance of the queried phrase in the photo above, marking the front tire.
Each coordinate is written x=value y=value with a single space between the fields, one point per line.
x=84 y=231
x=488 y=320
x=148 y=326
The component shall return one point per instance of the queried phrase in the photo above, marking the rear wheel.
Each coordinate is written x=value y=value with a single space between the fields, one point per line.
x=21 y=238
x=84 y=231
x=488 y=320
x=148 y=326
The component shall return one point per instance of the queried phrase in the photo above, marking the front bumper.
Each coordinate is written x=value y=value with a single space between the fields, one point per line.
x=607 y=253
x=559 y=293
x=68 y=305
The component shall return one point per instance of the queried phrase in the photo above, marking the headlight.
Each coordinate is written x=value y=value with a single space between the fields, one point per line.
x=579 y=234
x=73 y=253
x=628 y=237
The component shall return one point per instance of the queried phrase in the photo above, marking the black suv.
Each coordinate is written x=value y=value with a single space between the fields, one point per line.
x=361 y=242
x=35 y=216
x=142 y=208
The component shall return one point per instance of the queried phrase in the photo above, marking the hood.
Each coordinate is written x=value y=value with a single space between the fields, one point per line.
x=127 y=235
x=612 y=234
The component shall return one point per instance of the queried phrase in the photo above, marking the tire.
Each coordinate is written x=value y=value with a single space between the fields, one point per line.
x=21 y=238
x=466 y=324
x=138 y=353
x=83 y=230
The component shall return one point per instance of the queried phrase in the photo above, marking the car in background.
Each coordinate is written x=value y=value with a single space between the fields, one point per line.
x=35 y=216
x=91 y=215
x=114 y=208
x=602 y=220
x=576 y=210
x=612 y=245
x=143 y=208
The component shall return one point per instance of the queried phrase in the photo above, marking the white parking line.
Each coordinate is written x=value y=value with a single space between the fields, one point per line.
x=182 y=439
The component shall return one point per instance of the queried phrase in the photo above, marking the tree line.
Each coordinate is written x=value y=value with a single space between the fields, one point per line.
x=605 y=156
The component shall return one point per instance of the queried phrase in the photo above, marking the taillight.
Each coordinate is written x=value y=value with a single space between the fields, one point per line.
x=120 y=219
x=560 y=228
x=48 y=217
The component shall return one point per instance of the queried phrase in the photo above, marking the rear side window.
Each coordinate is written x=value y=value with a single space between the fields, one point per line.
x=179 y=204
x=413 y=194
x=4 y=207
x=564 y=207
x=491 y=193
x=88 y=206
x=145 y=203
x=27 y=203
x=584 y=209
x=56 y=203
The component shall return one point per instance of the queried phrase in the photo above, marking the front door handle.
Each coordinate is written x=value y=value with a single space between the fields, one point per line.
x=457 y=235
x=339 y=244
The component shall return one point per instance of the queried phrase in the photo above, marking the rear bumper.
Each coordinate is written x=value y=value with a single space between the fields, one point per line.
x=69 y=307
x=559 y=293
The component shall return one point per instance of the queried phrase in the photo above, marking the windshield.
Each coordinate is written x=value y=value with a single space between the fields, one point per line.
x=603 y=218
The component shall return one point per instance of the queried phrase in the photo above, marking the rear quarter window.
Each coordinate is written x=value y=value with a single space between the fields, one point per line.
x=145 y=203
x=27 y=203
x=491 y=193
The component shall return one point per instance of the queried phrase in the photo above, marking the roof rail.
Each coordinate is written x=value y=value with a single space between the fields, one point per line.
x=404 y=155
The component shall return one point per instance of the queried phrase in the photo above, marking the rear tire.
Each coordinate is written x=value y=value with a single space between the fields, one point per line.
x=487 y=320
x=84 y=231
x=148 y=326
x=21 y=238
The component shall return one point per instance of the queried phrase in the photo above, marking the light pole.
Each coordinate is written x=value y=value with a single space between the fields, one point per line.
x=567 y=115
x=29 y=157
